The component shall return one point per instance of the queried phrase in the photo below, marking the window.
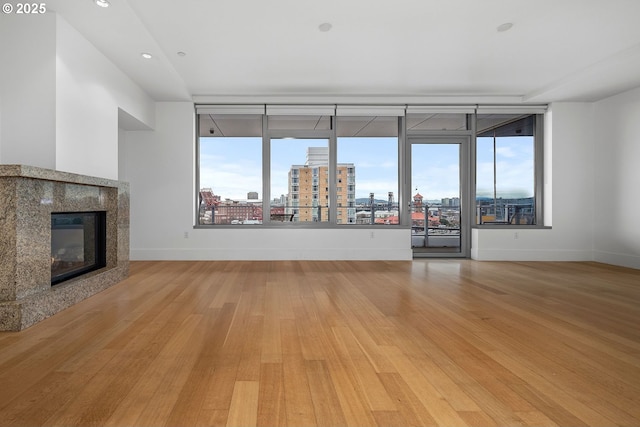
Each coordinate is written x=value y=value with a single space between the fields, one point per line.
x=302 y=158
x=330 y=165
x=230 y=169
x=367 y=151
x=508 y=169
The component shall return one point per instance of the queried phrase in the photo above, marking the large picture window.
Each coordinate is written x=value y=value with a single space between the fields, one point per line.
x=507 y=169
x=367 y=181
x=299 y=180
x=342 y=166
x=230 y=170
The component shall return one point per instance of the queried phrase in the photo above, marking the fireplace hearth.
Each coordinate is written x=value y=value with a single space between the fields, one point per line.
x=65 y=237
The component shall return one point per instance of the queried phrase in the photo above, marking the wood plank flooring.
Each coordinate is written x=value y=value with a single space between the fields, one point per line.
x=301 y=343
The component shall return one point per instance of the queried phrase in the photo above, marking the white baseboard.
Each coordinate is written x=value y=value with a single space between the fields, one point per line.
x=271 y=255
x=531 y=255
x=622 y=260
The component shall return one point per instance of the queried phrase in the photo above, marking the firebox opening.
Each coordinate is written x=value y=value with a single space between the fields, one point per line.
x=78 y=244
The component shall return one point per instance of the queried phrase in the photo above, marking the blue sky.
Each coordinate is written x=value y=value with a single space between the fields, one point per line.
x=514 y=167
x=435 y=170
x=233 y=166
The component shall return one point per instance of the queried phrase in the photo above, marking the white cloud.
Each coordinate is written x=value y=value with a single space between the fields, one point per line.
x=231 y=181
x=380 y=187
x=505 y=152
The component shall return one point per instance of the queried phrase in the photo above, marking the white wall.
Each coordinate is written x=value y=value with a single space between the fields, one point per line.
x=161 y=174
x=160 y=167
x=617 y=180
x=572 y=159
x=27 y=89
x=89 y=91
x=123 y=160
x=60 y=98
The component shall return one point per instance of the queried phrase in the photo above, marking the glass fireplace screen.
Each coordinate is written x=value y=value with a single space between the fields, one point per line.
x=78 y=244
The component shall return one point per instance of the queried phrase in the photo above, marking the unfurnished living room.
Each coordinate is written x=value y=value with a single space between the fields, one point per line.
x=367 y=213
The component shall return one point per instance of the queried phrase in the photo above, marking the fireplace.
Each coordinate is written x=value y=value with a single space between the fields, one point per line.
x=78 y=244
x=63 y=238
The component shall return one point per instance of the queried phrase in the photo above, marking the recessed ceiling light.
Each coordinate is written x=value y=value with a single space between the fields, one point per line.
x=181 y=53
x=146 y=55
x=102 y=3
x=504 y=27
x=325 y=27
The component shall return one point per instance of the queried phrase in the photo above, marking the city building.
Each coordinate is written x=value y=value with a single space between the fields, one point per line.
x=214 y=210
x=238 y=212
x=309 y=189
x=451 y=201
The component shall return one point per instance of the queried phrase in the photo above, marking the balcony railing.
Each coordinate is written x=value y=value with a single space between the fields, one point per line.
x=512 y=214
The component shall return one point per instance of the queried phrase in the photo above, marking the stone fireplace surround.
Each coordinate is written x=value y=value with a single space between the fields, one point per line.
x=28 y=196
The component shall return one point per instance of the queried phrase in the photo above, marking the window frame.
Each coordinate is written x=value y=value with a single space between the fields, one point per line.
x=230 y=110
x=357 y=113
x=538 y=171
x=274 y=134
x=403 y=192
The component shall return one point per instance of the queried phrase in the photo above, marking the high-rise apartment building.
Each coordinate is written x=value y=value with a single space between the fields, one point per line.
x=309 y=189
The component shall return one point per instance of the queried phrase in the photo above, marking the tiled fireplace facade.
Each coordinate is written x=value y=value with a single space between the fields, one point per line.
x=28 y=196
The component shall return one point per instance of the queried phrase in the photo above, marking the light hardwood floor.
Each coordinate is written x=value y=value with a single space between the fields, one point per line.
x=428 y=342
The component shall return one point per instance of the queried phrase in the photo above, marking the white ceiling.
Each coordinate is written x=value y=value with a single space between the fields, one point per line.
x=581 y=50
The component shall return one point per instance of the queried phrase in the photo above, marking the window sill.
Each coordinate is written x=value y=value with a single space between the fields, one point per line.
x=305 y=226
x=510 y=227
